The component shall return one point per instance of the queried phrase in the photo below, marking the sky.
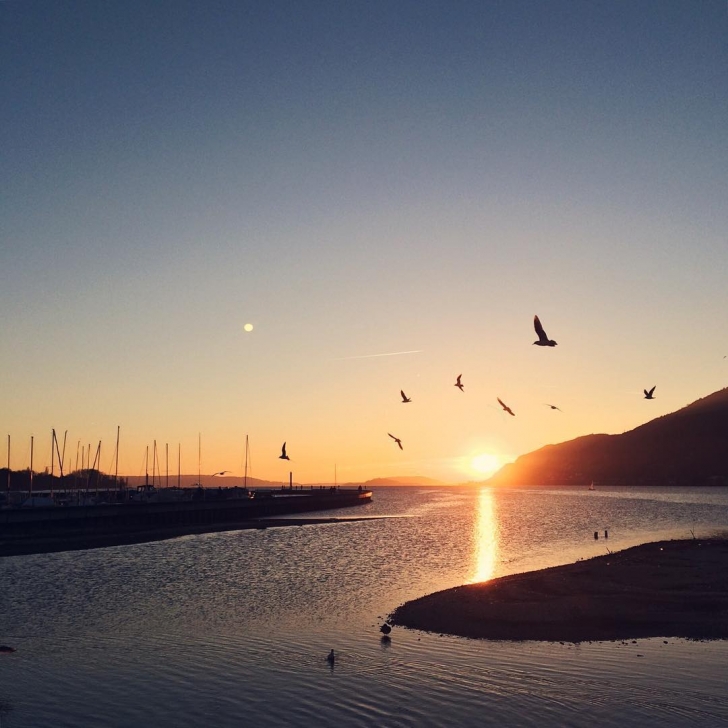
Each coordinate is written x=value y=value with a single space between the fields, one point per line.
x=387 y=193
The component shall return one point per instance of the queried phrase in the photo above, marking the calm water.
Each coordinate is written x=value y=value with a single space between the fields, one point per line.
x=232 y=629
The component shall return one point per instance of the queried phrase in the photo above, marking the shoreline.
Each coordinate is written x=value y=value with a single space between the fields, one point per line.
x=662 y=589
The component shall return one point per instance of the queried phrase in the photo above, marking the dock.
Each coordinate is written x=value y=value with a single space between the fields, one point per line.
x=43 y=529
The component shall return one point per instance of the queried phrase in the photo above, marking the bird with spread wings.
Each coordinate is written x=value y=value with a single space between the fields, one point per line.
x=397 y=440
x=506 y=408
x=543 y=340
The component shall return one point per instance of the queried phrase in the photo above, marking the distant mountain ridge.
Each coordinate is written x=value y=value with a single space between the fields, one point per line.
x=208 y=481
x=687 y=447
x=228 y=481
x=403 y=480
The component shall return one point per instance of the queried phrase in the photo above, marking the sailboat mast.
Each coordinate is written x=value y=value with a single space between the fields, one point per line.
x=8 y=466
x=31 y=466
x=116 y=463
x=75 y=472
x=166 y=462
x=56 y=452
x=60 y=459
x=63 y=456
x=199 y=458
x=179 y=463
x=97 y=467
x=53 y=445
x=245 y=479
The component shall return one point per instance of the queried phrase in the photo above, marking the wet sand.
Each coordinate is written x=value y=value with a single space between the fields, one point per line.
x=664 y=589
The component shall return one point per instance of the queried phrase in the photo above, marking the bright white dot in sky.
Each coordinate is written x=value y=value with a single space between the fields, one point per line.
x=248 y=327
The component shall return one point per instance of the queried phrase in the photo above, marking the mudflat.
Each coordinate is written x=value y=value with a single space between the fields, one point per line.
x=663 y=589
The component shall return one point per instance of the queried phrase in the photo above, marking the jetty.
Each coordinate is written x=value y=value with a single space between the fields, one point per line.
x=147 y=514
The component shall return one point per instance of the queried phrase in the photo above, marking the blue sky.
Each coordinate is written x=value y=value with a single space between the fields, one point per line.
x=353 y=179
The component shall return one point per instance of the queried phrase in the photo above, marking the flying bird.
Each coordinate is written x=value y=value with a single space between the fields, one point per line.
x=397 y=440
x=553 y=406
x=222 y=472
x=543 y=340
x=649 y=395
x=505 y=406
x=459 y=384
x=405 y=398
x=283 y=455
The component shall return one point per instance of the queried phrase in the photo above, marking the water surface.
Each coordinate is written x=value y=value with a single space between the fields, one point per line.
x=233 y=628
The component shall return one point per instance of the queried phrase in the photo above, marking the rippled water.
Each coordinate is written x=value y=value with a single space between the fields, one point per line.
x=232 y=629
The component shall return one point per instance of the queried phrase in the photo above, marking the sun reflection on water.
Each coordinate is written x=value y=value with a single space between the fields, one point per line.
x=486 y=538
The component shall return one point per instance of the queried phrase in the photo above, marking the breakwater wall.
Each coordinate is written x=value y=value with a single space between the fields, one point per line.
x=56 y=528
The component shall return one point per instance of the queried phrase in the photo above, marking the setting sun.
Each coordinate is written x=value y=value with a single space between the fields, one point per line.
x=485 y=464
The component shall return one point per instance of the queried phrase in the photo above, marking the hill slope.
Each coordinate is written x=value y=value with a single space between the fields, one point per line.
x=687 y=447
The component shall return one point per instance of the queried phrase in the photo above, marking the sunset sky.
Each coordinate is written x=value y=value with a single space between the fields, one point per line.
x=355 y=179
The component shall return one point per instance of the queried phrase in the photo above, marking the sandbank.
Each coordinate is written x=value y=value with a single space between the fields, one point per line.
x=663 y=589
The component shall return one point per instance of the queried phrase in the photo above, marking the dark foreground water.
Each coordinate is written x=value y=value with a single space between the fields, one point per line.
x=232 y=629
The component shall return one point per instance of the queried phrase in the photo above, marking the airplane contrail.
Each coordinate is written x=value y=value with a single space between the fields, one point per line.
x=371 y=356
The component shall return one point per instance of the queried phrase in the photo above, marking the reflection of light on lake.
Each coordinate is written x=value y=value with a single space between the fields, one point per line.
x=486 y=537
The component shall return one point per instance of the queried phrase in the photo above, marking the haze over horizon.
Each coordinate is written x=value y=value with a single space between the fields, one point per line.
x=235 y=218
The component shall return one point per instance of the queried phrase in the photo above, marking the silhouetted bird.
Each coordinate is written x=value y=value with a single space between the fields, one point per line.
x=283 y=455
x=385 y=629
x=458 y=384
x=650 y=394
x=222 y=472
x=505 y=406
x=405 y=398
x=397 y=440
x=543 y=340
x=331 y=658
x=553 y=406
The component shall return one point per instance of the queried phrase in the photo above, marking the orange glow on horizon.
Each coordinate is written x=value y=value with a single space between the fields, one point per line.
x=485 y=463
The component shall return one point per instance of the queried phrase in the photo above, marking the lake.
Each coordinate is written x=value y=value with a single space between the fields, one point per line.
x=233 y=628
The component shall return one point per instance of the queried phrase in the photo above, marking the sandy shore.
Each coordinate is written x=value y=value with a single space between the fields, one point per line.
x=665 y=589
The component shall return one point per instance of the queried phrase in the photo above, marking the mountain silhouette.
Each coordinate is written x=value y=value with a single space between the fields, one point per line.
x=687 y=447
x=402 y=480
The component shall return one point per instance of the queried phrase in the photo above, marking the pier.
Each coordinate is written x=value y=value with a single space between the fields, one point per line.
x=41 y=529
